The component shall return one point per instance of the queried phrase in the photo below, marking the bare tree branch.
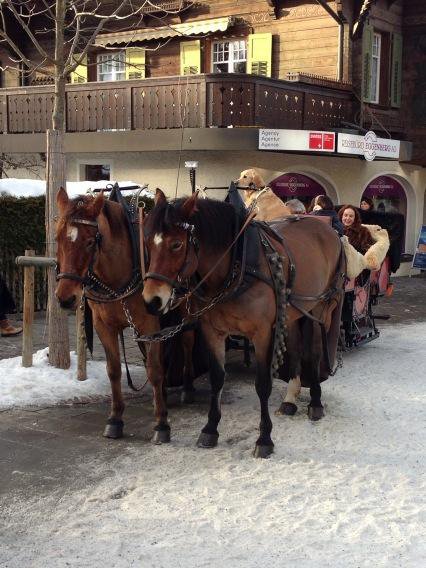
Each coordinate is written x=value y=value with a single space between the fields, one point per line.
x=21 y=20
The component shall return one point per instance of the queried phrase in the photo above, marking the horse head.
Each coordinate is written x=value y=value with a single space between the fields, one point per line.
x=171 y=248
x=77 y=237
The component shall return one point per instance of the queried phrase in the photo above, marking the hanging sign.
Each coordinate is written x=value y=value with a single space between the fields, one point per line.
x=419 y=260
x=368 y=146
x=296 y=140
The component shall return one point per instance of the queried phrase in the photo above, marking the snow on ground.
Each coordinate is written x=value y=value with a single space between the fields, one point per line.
x=32 y=188
x=42 y=384
x=348 y=491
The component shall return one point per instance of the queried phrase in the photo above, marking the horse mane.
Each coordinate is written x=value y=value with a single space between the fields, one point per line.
x=214 y=221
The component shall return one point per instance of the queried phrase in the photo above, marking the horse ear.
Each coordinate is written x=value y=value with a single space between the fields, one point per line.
x=160 y=197
x=62 y=199
x=190 y=206
x=97 y=204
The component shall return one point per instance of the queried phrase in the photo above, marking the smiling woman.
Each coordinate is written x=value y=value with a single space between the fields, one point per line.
x=359 y=236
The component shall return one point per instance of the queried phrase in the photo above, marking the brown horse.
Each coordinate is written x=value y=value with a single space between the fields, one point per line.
x=199 y=234
x=93 y=238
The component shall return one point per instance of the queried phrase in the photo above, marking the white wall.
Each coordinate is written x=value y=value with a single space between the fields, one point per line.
x=344 y=178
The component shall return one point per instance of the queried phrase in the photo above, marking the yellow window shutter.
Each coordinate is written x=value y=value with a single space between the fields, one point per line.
x=190 y=57
x=135 y=63
x=79 y=75
x=259 y=56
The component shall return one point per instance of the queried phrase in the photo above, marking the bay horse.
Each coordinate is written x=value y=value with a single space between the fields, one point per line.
x=93 y=239
x=195 y=237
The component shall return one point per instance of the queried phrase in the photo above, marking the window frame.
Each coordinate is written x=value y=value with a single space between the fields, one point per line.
x=375 y=97
x=114 y=66
x=231 y=54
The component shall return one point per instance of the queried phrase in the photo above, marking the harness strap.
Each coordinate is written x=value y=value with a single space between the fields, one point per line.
x=129 y=378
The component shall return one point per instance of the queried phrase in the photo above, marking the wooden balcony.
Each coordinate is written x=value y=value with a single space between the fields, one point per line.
x=197 y=101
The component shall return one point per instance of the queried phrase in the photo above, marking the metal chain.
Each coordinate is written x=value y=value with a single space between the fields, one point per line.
x=339 y=364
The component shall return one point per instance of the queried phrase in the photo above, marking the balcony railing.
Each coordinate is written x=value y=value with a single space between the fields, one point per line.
x=196 y=101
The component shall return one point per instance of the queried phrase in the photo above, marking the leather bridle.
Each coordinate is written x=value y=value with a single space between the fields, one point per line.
x=188 y=262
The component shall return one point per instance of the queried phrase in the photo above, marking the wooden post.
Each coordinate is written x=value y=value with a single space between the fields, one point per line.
x=27 y=337
x=81 y=343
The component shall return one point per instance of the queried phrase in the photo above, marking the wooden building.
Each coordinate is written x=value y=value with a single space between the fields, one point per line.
x=201 y=83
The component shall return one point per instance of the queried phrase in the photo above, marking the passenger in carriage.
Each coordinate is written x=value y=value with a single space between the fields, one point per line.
x=296 y=207
x=358 y=235
x=322 y=206
x=366 y=204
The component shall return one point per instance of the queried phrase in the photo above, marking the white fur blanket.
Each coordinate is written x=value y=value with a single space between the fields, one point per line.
x=373 y=258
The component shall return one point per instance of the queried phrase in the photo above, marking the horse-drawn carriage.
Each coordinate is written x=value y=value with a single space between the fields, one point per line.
x=361 y=295
x=279 y=285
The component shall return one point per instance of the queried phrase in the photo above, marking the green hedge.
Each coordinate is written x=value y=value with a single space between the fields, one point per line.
x=22 y=227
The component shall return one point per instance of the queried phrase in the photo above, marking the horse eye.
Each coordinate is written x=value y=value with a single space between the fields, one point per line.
x=176 y=245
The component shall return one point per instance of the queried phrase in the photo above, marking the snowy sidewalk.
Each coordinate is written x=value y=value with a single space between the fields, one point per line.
x=348 y=491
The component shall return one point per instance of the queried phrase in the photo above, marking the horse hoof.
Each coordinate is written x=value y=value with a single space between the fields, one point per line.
x=263 y=451
x=287 y=408
x=315 y=412
x=114 y=429
x=161 y=437
x=206 y=440
x=187 y=397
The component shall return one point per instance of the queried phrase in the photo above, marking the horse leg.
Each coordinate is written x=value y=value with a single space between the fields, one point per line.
x=216 y=345
x=289 y=406
x=109 y=340
x=315 y=408
x=294 y=355
x=188 y=340
x=264 y=444
x=313 y=350
x=155 y=374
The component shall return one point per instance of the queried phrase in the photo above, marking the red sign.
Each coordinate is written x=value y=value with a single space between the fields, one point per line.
x=321 y=141
x=328 y=141
x=315 y=140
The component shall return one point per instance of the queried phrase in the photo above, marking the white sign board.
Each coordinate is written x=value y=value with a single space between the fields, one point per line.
x=368 y=146
x=302 y=140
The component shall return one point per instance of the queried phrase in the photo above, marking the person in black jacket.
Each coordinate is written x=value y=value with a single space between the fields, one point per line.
x=6 y=305
x=323 y=206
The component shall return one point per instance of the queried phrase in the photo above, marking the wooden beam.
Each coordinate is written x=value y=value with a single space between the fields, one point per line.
x=274 y=5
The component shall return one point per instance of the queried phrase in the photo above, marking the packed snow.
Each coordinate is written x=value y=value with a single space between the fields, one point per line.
x=345 y=492
x=43 y=385
x=33 y=187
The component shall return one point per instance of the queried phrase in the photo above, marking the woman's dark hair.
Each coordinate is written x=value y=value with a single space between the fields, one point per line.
x=369 y=201
x=359 y=237
x=323 y=201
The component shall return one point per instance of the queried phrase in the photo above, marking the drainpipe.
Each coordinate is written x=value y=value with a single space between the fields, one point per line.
x=340 y=22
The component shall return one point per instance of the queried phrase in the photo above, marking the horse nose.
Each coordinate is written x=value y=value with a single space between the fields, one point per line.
x=69 y=303
x=153 y=307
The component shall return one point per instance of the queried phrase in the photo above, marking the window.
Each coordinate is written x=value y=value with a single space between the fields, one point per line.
x=375 y=67
x=112 y=66
x=97 y=172
x=381 y=67
x=230 y=56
